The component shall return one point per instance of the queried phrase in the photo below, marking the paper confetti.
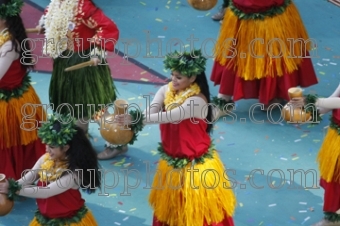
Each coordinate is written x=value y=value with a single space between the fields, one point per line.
x=142 y=3
x=159 y=20
x=33 y=83
x=144 y=134
x=241 y=204
x=121 y=211
x=297 y=140
x=295 y=158
x=144 y=79
x=154 y=152
x=143 y=72
x=133 y=209
x=303 y=211
x=319 y=64
x=271 y=205
x=125 y=218
x=117 y=223
x=333 y=63
x=303 y=203
x=131 y=98
x=304 y=135
x=283 y=159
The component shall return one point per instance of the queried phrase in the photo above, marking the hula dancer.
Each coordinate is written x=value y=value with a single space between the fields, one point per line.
x=262 y=50
x=329 y=155
x=20 y=146
x=77 y=31
x=60 y=174
x=187 y=152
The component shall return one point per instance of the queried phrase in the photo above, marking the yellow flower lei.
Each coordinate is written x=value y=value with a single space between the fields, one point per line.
x=51 y=170
x=174 y=99
x=4 y=37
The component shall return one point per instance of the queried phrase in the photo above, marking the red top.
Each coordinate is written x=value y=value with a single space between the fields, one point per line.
x=336 y=116
x=186 y=139
x=257 y=6
x=14 y=76
x=66 y=204
x=91 y=22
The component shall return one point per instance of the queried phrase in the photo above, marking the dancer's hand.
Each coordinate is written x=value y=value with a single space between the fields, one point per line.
x=123 y=119
x=95 y=61
x=4 y=187
x=41 y=30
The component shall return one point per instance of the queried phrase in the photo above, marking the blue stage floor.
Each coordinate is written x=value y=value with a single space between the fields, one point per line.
x=243 y=146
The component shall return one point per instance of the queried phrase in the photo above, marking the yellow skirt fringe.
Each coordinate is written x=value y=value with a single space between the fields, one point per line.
x=329 y=157
x=275 y=32
x=87 y=220
x=176 y=202
x=14 y=128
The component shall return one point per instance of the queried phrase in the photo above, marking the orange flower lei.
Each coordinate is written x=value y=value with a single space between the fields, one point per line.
x=174 y=99
x=51 y=170
x=4 y=36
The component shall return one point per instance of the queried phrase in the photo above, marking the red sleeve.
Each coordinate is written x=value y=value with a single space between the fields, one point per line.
x=106 y=29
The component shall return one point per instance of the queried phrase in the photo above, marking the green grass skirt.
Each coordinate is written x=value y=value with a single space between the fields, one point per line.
x=90 y=85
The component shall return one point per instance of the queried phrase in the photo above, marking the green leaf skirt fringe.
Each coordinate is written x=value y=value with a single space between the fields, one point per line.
x=75 y=91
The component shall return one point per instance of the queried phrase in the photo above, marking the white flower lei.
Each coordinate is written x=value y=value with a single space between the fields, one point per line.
x=60 y=13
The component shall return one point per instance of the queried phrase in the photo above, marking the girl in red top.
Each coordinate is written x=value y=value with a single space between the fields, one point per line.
x=191 y=186
x=20 y=146
x=77 y=31
x=329 y=155
x=69 y=164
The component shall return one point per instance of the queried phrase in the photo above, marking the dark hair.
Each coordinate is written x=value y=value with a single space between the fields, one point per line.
x=202 y=82
x=18 y=32
x=82 y=159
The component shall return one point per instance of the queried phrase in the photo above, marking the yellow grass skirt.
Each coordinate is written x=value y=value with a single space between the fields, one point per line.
x=275 y=32
x=176 y=202
x=87 y=220
x=14 y=129
x=329 y=157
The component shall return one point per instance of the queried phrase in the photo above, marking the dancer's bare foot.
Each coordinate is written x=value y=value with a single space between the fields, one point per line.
x=111 y=152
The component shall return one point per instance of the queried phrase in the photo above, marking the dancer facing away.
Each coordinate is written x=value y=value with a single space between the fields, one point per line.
x=262 y=50
x=183 y=198
x=329 y=156
x=20 y=146
x=60 y=174
x=77 y=31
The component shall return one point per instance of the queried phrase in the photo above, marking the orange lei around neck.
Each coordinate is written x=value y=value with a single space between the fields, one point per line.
x=174 y=99
x=52 y=170
x=4 y=36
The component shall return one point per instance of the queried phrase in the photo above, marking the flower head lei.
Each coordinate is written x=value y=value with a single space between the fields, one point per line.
x=50 y=136
x=188 y=63
x=12 y=8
